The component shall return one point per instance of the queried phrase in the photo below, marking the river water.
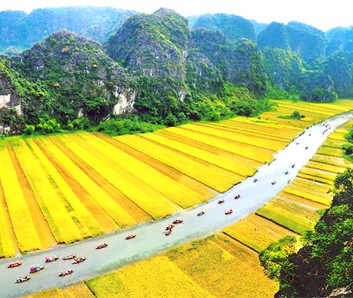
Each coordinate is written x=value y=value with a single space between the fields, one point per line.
x=150 y=238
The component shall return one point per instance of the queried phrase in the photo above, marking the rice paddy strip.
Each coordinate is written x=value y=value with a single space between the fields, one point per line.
x=48 y=196
x=176 y=192
x=313 y=177
x=211 y=149
x=325 y=167
x=221 y=273
x=220 y=180
x=237 y=136
x=146 y=197
x=313 y=108
x=288 y=220
x=163 y=279
x=75 y=291
x=196 y=186
x=267 y=142
x=240 y=251
x=85 y=221
x=131 y=208
x=335 y=144
x=247 y=151
x=106 y=211
x=21 y=219
x=8 y=243
x=255 y=131
x=301 y=200
x=311 y=187
x=331 y=160
x=45 y=234
x=318 y=173
x=215 y=159
x=306 y=211
x=257 y=232
x=262 y=127
x=323 y=199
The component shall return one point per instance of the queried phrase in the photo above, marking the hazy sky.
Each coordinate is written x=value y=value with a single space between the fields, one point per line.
x=322 y=14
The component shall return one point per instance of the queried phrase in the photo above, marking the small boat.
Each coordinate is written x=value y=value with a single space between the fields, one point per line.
x=67 y=272
x=101 y=245
x=79 y=260
x=22 y=279
x=178 y=221
x=130 y=236
x=169 y=228
x=14 y=264
x=35 y=269
x=69 y=257
x=51 y=259
x=230 y=211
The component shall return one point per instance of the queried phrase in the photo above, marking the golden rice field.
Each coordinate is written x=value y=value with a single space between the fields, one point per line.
x=217 y=266
x=226 y=264
x=96 y=184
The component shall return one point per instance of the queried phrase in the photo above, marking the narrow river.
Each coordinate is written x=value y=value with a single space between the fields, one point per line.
x=150 y=236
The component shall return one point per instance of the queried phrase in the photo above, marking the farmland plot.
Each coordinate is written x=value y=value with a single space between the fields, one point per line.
x=17 y=206
x=50 y=198
x=248 y=151
x=267 y=142
x=163 y=279
x=173 y=191
x=106 y=210
x=148 y=198
x=263 y=128
x=206 y=156
x=257 y=232
x=208 y=148
x=203 y=265
x=194 y=185
x=218 y=179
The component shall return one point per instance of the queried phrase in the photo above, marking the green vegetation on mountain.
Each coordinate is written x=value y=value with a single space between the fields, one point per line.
x=155 y=69
x=339 y=67
x=286 y=72
x=309 y=43
x=234 y=27
x=73 y=77
x=20 y=31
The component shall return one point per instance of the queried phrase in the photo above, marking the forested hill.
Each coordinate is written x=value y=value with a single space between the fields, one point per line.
x=20 y=31
x=92 y=64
